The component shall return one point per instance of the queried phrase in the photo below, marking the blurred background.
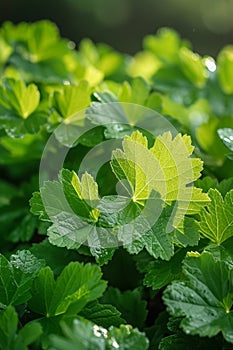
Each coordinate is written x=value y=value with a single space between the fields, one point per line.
x=208 y=24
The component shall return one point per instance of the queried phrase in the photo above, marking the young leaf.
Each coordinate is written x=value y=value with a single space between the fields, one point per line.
x=225 y=69
x=18 y=98
x=74 y=288
x=165 y=44
x=217 y=218
x=204 y=297
x=72 y=99
x=193 y=67
x=166 y=168
x=82 y=195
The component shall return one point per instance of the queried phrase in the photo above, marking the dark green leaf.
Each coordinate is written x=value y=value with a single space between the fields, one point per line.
x=204 y=297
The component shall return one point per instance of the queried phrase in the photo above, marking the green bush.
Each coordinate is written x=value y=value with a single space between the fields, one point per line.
x=116 y=194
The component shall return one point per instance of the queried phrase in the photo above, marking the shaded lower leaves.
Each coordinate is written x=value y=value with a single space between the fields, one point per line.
x=17 y=276
x=11 y=338
x=88 y=336
x=204 y=297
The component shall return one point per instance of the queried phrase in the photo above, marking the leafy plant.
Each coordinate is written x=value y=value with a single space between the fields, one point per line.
x=116 y=193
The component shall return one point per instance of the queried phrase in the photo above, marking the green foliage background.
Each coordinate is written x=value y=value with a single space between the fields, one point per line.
x=162 y=290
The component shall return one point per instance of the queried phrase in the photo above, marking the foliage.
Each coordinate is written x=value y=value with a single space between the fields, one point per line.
x=128 y=242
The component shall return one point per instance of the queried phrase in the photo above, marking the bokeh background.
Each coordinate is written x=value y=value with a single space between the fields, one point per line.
x=208 y=24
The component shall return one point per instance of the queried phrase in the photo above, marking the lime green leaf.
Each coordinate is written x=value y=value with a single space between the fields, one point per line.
x=225 y=69
x=166 y=168
x=10 y=339
x=74 y=288
x=21 y=99
x=144 y=64
x=193 y=67
x=17 y=276
x=217 y=218
x=137 y=92
x=137 y=165
x=44 y=43
x=72 y=99
x=6 y=50
x=88 y=336
x=83 y=195
x=165 y=45
x=204 y=297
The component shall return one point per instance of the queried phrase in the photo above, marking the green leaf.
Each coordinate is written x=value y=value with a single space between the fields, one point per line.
x=44 y=42
x=159 y=273
x=222 y=252
x=82 y=194
x=29 y=333
x=160 y=239
x=8 y=327
x=74 y=288
x=25 y=229
x=10 y=339
x=129 y=303
x=17 y=276
x=226 y=135
x=165 y=45
x=88 y=336
x=144 y=64
x=208 y=182
x=7 y=192
x=204 y=297
x=6 y=50
x=71 y=205
x=217 y=218
x=193 y=67
x=208 y=138
x=104 y=315
x=225 y=68
x=166 y=168
x=183 y=342
x=55 y=257
x=18 y=98
x=127 y=338
x=72 y=99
